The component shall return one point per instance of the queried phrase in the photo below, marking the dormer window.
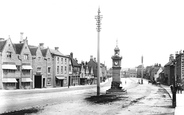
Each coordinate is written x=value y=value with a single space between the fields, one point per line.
x=8 y=54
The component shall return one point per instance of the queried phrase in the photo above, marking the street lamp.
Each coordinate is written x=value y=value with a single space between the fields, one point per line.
x=98 y=19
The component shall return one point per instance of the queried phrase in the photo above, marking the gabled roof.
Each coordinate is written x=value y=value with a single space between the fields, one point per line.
x=18 y=47
x=2 y=44
x=74 y=62
x=33 y=50
x=44 y=52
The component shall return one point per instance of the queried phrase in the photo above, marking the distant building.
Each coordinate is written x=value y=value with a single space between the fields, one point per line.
x=169 y=70
x=132 y=72
x=75 y=78
x=139 y=71
x=179 y=57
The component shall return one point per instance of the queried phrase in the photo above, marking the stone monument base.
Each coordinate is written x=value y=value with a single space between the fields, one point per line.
x=115 y=88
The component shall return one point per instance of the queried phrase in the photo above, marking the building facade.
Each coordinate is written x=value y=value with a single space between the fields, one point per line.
x=8 y=65
x=60 y=67
x=23 y=52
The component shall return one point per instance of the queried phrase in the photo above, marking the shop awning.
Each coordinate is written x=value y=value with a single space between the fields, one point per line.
x=60 y=77
x=26 y=80
x=8 y=66
x=26 y=67
x=9 y=80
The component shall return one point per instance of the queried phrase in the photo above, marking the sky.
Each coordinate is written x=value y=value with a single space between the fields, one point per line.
x=153 y=29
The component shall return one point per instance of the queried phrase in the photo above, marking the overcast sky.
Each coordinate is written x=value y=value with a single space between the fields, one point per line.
x=152 y=28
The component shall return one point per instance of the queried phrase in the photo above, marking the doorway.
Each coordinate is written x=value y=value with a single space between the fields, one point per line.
x=17 y=84
x=37 y=80
x=43 y=82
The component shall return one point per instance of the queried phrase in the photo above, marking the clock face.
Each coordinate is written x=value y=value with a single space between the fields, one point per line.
x=116 y=63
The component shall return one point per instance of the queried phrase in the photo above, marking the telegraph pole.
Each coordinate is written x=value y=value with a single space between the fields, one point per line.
x=142 y=70
x=98 y=19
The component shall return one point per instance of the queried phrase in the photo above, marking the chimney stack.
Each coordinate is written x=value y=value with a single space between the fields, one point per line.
x=95 y=59
x=57 y=48
x=171 y=58
x=71 y=55
x=91 y=57
x=21 y=37
x=41 y=45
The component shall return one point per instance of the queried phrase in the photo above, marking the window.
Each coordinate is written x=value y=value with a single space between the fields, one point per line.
x=65 y=70
x=49 y=69
x=8 y=54
x=61 y=60
x=48 y=81
x=57 y=59
x=25 y=72
x=26 y=56
x=57 y=69
x=61 y=69
x=38 y=69
x=39 y=58
x=70 y=68
x=65 y=60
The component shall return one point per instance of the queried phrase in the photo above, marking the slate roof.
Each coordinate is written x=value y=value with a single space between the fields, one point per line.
x=33 y=50
x=169 y=63
x=56 y=52
x=74 y=62
x=44 y=52
x=2 y=43
x=18 y=47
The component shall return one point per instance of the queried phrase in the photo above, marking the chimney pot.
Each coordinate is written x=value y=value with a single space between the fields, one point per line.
x=21 y=37
x=57 y=48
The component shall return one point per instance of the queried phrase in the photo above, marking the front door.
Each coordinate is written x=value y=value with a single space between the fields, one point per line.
x=43 y=82
x=37 y=80
x=17 y=84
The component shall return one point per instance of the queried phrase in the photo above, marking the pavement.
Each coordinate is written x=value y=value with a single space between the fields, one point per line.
x=179 y=109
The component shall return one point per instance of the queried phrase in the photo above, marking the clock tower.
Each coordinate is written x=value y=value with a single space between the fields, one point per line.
x=116 y=69
x=116 y=65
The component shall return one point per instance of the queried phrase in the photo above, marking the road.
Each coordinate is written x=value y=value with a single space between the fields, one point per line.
x=73 y=100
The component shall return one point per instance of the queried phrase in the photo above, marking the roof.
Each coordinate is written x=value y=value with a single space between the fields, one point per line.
x=44 y=52
x=74 y=62
x=33 y=50
x=18 y=47
x=169 y=63
x=140 y=66
x=2 y=43
x=55 y=52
